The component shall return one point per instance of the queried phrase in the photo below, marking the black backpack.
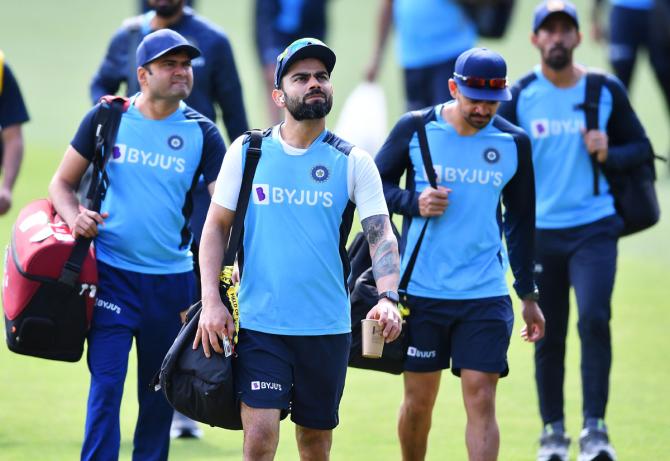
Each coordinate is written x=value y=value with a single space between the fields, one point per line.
x=632 y=188
x=199 y=387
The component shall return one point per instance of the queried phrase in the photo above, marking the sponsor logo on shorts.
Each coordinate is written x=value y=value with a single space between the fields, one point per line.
x=130 y=155
x=265 y=194
x=419 y=354
x=108 y=305
x=265 y=385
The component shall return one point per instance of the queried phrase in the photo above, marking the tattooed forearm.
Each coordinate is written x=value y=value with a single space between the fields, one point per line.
x=383 y=249
x=373 y=228
x=385 y=260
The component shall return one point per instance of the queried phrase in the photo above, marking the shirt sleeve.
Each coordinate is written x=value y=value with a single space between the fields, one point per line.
x=213 y=148
x=227 y=188
x=228 y=90
x=519 y=221
x=365 y=185
x=12 y=108
x=113 y=69
x=84 y=139
x=393 y=161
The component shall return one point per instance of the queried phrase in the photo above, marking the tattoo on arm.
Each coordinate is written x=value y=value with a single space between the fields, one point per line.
x=383 y=246
x=373 y=228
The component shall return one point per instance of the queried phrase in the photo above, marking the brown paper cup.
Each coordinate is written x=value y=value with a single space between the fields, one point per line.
x=373 y=340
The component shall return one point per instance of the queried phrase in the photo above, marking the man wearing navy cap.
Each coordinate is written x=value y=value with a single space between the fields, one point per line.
x=577 y=225
x=295 y=319
x=460 y=310
x=142 y=239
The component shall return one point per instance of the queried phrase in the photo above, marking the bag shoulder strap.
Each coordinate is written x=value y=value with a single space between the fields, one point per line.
x=420 y=126
x=591 y=108
x=250 y=164
x=107 y=120
x=2 y=69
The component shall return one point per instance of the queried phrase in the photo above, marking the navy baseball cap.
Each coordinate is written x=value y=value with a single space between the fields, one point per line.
x=549 y=7
x=303 y=48
x=481 y=74
x=162 y=42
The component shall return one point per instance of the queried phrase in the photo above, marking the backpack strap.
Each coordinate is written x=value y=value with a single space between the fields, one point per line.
x=591 y=108
x=420 y=126
x=107 y=120
x=2 y=69
x=250 y=164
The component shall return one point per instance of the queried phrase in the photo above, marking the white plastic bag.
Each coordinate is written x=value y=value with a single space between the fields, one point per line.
x=363 y=117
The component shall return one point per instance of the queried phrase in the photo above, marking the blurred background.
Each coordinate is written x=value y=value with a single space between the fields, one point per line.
x=55 y=47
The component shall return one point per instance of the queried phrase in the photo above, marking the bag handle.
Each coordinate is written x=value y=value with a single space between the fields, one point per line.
x=417 y=117
x=107 y=120
x=591 y=108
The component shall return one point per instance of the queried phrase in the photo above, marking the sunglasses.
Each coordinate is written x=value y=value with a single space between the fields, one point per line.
x=479 y=82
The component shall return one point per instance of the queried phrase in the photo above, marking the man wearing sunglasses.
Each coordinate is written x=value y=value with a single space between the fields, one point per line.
x=460 y=309
x=295 y=322
x=577 y=225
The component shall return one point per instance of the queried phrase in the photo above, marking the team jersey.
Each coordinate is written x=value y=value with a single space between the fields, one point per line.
x=12 y=108
x=154 y=167
x=431 y=31
x=462 y=255
x=634 y=4
x=295 y=264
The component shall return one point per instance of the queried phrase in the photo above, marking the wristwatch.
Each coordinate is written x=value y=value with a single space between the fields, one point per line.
x=390 y=295
x=532 y=296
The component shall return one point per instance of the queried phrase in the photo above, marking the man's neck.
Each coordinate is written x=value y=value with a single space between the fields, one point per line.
x=564 y=78
x=158 y=22
x=155 y=109
x=453 y=117
x=301 y=134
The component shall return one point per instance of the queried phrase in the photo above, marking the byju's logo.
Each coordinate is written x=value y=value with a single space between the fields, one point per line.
x=118 y=153
x=540 y=128
x=261 y=194
x=125 y=154
x=264 y=385
x=419 y=354
x=543 y=127
x=108 y=305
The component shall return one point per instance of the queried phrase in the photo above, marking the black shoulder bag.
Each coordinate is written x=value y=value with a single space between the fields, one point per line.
x=199 y=387
x=632 y=188
x=364 y=295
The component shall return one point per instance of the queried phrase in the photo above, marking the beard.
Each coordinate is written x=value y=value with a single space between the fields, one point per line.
x=167 y=9
x=302 y=110
x=558 y=58
x=477 y=121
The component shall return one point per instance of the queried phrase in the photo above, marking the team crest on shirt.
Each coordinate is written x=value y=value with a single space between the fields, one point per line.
x=491 y=155
x=320 y=173
x=175 y=142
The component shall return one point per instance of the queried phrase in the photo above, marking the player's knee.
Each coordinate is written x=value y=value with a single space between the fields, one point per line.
x=593 y=324
x=260 y=441
x=312 y=443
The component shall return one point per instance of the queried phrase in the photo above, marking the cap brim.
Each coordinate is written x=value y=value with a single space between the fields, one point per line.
x=485 y=94
x=543 y=19
x=190 y=50
x=316 y=51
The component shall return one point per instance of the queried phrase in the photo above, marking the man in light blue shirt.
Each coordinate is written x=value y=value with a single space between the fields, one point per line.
x=294 y=308
x=143 y=242
x=460 y=310
x=577 y=224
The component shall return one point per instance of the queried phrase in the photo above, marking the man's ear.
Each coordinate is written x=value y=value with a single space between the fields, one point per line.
x=453 y=88
x=279 y=98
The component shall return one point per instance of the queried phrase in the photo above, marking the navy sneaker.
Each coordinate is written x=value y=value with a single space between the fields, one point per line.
x=594 y=445
x=184 y=427
x=554 y=446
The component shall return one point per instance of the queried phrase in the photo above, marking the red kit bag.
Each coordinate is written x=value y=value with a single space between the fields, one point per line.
x=48 y=290
x=46 y=314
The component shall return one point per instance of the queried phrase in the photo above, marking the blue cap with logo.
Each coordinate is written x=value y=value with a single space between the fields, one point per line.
x=481 y=74
x=162 y=42
x=303 y=48
x=550 y=7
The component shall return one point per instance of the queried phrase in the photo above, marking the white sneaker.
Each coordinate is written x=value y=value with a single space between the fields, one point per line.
x=554 y=446
x=594 y=445
x=184 y=428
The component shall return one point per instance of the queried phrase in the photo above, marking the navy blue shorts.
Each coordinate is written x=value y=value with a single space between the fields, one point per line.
x=471 y=333
x=302 y=374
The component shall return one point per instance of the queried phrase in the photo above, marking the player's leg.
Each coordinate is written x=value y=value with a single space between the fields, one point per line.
x=479 y=344
x=428 y=353
x=417 y=88
x=440 y=75
x=109 y=342
x=163 y=298
x=627 y=30
x=263 y=379
x=319 y=369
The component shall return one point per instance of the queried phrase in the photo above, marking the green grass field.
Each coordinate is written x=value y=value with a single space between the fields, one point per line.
x=54 y=48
